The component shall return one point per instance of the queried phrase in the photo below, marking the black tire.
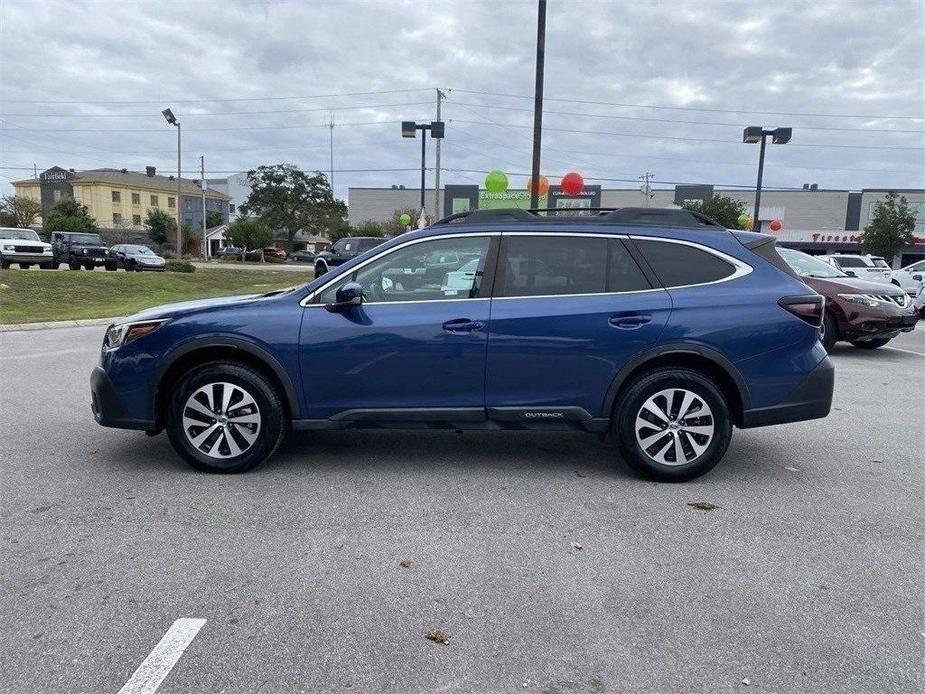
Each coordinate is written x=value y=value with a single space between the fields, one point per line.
x=829 y=334
x=25 y=266
x=320 y=269
x=649 y=385
x=88 y=266
x=870 y=344
x=47 y=266
x=73 y=265
x=272 y=411
x=111 y=267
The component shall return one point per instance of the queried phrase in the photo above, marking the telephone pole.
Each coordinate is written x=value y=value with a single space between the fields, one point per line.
x=331 y=143
x=440 y=97
x=202 y=185
x=646 y=186
x=538 y=101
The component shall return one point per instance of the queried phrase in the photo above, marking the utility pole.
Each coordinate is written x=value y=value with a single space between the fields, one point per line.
x=179 y=218
x=538 y=102
x=331 y=143
x=646 y=187
x=202 y=182
x=35 y=169
x=440 y=97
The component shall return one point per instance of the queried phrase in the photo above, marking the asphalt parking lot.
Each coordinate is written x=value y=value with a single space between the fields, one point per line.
x=807 y=577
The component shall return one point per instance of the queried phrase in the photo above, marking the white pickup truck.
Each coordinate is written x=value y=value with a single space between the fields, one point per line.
x=23 y=246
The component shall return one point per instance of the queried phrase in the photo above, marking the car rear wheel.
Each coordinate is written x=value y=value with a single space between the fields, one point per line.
x=25 y=266
x=73 y=266
x=88 y=266
x=225 y=417
x=828 y=333
x=870 y=344
x=111 y=267
x=672 y=425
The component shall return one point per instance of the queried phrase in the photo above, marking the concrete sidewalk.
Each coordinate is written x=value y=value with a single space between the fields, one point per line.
x=301 y=267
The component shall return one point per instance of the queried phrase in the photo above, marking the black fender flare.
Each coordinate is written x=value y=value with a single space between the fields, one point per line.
x=251 y=348
x=670 y=349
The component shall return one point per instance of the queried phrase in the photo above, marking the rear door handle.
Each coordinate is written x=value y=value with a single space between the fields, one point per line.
x=462 y=325
x=629 y=322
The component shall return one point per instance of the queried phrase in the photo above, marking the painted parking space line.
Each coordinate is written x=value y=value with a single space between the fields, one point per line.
x=905 y=351
x=55 y=353
x=166 y=653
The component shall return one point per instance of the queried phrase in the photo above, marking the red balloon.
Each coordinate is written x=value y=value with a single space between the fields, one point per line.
x=775 y=225
x=572 y=183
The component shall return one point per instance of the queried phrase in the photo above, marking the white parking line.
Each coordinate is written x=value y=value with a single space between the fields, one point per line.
x=906 y=351
x=166 y=653
x=35 y=355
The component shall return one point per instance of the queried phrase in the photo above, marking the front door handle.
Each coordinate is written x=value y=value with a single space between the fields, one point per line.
x=462 y=325
x=628 y=322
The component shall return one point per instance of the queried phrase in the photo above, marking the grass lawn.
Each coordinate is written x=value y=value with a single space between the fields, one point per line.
x=31 y=296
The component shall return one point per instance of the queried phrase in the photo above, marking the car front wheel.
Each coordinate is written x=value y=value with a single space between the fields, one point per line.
x=225 y=417
x=828 y=333
x=672 y=425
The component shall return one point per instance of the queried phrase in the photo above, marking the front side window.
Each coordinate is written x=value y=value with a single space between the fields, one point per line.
x=679 y=265
x=430 y=270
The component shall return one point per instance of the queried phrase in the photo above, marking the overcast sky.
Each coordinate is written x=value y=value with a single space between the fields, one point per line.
x=631 y=87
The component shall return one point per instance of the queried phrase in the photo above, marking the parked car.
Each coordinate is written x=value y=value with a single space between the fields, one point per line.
x=910 y=277
x=229 y=252
x=343 y=250
x=23 y=246
x=866 y=314
x=273 y=254
x=132 y=257
x=305 y=256
x=80 y=250
x=656 y=328
x=864 y=267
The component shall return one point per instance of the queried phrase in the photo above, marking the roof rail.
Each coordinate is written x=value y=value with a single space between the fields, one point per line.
x=657 y=216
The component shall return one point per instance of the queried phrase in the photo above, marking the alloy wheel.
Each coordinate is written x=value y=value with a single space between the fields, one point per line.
x=674 y=427
x=221 y=420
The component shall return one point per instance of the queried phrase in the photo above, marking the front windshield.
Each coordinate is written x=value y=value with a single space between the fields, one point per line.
x=879 y=262
x=140 y=250
x=87 y=239
x=19 y=235
x=807 y=266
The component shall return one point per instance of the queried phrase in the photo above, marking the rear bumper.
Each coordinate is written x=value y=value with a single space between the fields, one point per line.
x=107 y=407
x=811 y=399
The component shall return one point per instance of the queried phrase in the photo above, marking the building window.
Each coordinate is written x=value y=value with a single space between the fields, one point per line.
x=57 y=195
x=188 y=204
x=154 y=202
x=116 y=219
x=136 y=219
x=116 y=196
x=230 y=209
x=136 y=198
x=171 y=202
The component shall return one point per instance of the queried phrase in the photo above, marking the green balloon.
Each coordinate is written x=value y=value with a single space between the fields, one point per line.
x=743 y=220
x=496 y=181
x=405 y=219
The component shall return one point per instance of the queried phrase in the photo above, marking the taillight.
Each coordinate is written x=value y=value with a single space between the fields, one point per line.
x=807 y=308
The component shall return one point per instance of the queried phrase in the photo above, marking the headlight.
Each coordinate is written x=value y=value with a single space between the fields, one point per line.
x=123 y=333
x=862 y=299
x=8 y=248
x=46 y=250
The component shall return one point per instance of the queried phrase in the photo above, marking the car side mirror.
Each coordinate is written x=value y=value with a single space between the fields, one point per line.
x=850 y=273
x=348 y=296
x=917 y=278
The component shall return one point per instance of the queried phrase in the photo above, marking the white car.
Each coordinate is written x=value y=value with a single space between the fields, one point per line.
x=24 y=246
x=905 y=278
x=872 y=268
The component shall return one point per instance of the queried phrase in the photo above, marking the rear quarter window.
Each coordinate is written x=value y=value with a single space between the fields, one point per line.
x=679 y=265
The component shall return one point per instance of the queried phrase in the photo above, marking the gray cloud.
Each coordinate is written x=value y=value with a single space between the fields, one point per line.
x=851 y=58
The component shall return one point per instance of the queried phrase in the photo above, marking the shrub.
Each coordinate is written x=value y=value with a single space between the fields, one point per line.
x=179 y=266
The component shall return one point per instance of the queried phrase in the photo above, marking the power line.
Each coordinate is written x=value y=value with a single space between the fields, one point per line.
x=165 y=100
x=201 y=130
x=692 y=108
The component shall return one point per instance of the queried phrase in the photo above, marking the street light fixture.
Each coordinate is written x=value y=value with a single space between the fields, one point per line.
x=172 y=120
x=409 y=129
x=753 y=135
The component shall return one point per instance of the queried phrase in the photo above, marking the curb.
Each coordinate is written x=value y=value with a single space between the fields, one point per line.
x=80 y=323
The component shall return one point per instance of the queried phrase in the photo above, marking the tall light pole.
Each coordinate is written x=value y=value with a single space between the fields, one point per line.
x=538 y=103
x=202 y=185
x=172 y=120
x=752 y=135
x=409 y=129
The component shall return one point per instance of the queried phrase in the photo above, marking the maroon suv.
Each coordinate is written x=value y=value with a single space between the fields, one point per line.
x=866 y=314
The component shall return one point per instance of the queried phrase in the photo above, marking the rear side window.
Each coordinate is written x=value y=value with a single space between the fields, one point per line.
x=560 y=265
x=851 y=262
x=678 y=265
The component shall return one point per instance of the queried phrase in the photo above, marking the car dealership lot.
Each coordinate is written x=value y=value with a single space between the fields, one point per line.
x=807 y=577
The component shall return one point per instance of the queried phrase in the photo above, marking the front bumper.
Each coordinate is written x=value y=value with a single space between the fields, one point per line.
x=107 y=407
x=811 y=399
x=33 y=258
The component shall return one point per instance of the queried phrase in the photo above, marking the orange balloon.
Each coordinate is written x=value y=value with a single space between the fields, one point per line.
x=775 y=225
x=542 y=187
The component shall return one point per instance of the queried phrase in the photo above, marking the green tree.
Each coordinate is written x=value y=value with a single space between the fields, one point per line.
x=161 y=227
x=724 y=210
x=69 y=215
x=214 y=219
x=394 y=227
x=19 y=211
x=285 y=197
x=248 y=234
x=890 y=228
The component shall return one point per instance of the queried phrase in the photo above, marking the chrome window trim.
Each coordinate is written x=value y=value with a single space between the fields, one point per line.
x=741 y=268
x=564 y=296
x=304 y=302
x=412 y=301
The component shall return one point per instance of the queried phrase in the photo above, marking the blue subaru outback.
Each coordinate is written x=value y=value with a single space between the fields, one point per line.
x=658 y=327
